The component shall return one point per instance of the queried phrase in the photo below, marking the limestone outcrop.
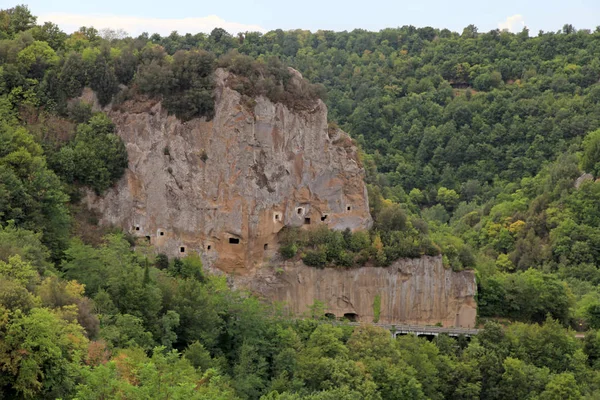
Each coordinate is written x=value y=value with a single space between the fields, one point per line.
x=224 y=188
x=410 y=291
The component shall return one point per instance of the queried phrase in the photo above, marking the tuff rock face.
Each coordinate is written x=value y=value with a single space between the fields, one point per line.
x=410 y=291
x=224 y=188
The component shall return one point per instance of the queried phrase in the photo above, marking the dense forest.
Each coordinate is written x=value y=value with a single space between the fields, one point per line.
x=481 y=147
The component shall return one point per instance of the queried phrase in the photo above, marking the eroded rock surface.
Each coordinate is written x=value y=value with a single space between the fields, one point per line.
x=225 y=187
x=410 y=291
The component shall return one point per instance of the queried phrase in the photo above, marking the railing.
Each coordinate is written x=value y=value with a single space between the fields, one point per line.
x=420 y=329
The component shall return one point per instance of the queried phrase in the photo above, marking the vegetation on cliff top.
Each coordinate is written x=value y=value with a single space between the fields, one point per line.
x=473 y=143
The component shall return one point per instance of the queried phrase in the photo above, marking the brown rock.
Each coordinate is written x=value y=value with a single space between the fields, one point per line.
x=224 y=188
x=412 y=291
x=233 y=182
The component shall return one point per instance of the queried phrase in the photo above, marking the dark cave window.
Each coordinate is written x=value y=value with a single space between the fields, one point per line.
x=324 y=217
x=306 y=221
x=148 y=239
x=266 y=246
x=352 y=317
x=299 y=211
x=162 y=233
x=208 y=247
x=234 y=241
x=182 y=249
x=348 y=208
x=137 y=228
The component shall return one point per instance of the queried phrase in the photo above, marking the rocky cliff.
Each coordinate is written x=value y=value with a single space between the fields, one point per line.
x=411 y=291
x=224 y=188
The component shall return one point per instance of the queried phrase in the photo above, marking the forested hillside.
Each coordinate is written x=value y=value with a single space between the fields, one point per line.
x=474 y=145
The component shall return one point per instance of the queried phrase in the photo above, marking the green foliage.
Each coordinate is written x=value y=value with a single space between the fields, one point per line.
x=31 y=194
x=40 y=354
x=376 y=308
x=525 y=296
x=591 y=153
x=471 y=143
x=96 y=158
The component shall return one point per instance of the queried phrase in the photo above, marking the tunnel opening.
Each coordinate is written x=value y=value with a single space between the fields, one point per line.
x=329 y=316
x=306 y=221
x=234 y=240
x=352 y=317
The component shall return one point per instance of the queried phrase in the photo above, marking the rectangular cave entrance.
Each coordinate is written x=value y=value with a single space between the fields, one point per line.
x=352 y=317
x=323 y=218
x=266 y=246
x=182 y=249
x=234 y=241
x=306 y=221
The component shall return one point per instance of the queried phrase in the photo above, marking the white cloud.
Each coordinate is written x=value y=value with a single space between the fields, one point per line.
x=136 y=25
x=514 y=23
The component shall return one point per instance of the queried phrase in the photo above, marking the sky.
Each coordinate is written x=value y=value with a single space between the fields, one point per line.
x=193 y=16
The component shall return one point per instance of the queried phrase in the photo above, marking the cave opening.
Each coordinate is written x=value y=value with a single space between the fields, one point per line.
x=329 y=316
x=266 y=246
x=299 y=210
x=234 y=240
x=323 y=218
x=306 y=221
x=352 y=317
x=137 y=227
x=182 y=249
x=162 y=233
x=148 y=238
x=348 y=208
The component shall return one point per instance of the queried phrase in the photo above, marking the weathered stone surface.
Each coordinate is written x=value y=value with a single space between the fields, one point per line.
x=412 y=291
x=243 y=176
x=584 y=177
x=201 y=186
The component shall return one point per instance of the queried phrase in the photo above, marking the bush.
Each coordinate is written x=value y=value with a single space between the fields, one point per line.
x=289 y=250
x=96 y=158
x=315 y=258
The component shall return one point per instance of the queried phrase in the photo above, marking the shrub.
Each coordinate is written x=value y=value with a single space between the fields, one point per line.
x=315 y=258
x=289 y=250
